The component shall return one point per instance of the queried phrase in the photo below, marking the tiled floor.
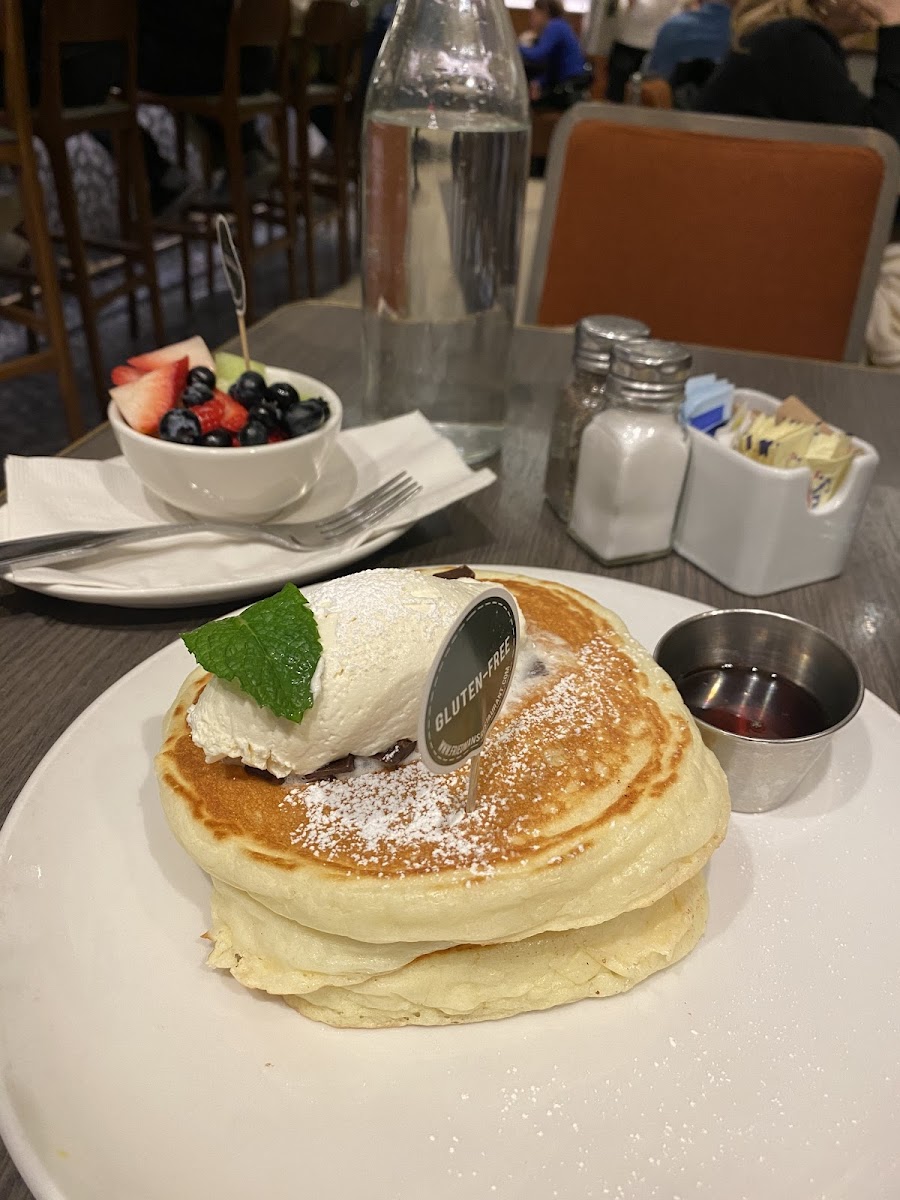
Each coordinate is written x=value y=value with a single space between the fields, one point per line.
x=31 y=419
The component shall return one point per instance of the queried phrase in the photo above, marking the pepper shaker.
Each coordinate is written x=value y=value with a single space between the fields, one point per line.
x=580 y=400
x=634 y=456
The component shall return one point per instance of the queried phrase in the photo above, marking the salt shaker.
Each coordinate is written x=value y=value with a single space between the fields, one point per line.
x=634 y=456
x=581 y=398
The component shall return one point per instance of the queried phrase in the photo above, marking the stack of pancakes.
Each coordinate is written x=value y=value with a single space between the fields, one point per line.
x=374 y=900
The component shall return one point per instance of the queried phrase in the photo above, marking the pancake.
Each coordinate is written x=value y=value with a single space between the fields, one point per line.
x=597 y=798
x=476 y=983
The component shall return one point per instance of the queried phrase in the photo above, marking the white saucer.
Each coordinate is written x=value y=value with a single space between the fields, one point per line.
x=765 y=1066
x=204 y=568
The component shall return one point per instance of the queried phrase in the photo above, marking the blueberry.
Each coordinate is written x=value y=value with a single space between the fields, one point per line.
x=248 y=388
x=180 y=425
x=305 y=416
x=202 y=375
x=254 y=433
x=321 y=405
x=266 y=413
x=216 y=437
x=196 y=393
x=283 y=395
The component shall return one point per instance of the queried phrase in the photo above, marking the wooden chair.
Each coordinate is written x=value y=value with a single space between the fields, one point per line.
x=600 y=68
x=17 y=151
x=336 y=30
x=750 y=234
x=253 y=23
x=67 y=22
x=656 y=93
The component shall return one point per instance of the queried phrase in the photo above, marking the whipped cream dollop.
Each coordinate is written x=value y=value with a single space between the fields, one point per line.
x=380 y=631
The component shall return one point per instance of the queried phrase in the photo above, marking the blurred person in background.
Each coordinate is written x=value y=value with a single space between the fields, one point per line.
x=637 y=24
x=786 y=63
x=701 y=33
x=559 y=75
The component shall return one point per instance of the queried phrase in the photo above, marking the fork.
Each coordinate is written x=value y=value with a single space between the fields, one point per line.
x=340 y=526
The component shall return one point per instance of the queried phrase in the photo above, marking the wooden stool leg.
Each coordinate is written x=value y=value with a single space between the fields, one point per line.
x=46 y=271
x=32 y=345
x=143 y=222
x=126 y=226
x=280 y=123
x=341 y=155
x=181 y=150
x=240 y=202
x=68 y=211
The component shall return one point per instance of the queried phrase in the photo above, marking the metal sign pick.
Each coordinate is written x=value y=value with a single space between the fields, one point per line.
x=234 y=277
x=467 y=684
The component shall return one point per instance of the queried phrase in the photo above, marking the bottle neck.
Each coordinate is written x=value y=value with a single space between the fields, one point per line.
x=453 y=57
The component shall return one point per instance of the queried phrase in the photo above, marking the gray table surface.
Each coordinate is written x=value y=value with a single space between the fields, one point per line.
x=86 y=648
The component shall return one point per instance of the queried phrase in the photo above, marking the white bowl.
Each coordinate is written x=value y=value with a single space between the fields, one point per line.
x=243 y=483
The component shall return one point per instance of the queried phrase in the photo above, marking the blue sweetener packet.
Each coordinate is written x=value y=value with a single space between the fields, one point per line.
x=708 y=402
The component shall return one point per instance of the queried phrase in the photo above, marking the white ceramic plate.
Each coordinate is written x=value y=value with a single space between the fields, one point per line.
x=765 y=1066
x=205 y=569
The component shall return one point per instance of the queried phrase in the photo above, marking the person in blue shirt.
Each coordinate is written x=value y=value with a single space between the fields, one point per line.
x=554 y=62
x=700 y=33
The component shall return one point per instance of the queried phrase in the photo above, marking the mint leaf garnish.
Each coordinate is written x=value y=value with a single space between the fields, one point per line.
x=271 y=650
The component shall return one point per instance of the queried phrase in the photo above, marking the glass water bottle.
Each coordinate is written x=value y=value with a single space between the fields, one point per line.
x=445 y=164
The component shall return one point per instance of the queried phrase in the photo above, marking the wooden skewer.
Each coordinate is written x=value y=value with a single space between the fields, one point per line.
x=472 y=794
x=245 y=348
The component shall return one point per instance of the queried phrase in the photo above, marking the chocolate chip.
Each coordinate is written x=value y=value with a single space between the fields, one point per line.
x=537 y=668
x=396 y=754
x=340 y=766
x=456 y=573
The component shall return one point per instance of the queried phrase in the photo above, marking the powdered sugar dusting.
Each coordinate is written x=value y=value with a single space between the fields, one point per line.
x=375 y=815
x=577 y=727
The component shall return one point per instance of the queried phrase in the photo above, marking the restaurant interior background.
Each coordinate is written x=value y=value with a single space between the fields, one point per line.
x=31 y=418
x=562 y=379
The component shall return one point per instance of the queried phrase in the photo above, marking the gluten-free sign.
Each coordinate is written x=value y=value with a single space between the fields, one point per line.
x=469 y=680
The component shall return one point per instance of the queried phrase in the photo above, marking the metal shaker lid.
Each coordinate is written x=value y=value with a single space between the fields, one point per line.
x=651 y=361
x=648 y=370
x=595 y=336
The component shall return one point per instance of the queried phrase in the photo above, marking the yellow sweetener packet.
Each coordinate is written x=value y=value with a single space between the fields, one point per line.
x=790 y=441
x=755 y=438
x=828 y=459
x=826 y=477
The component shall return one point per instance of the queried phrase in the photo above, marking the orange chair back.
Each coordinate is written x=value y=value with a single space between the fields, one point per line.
x=721 y=238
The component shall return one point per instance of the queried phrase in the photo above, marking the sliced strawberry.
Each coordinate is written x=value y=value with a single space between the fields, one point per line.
x=209 y=414
x=276 y=435
x=194 y=349
x=143 y=402
x=234 y=416
x=124 y=374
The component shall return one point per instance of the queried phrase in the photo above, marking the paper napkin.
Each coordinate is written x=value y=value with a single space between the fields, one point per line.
x=52 y=495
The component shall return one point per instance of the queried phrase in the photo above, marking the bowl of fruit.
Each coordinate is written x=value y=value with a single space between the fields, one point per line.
x=219 y=441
